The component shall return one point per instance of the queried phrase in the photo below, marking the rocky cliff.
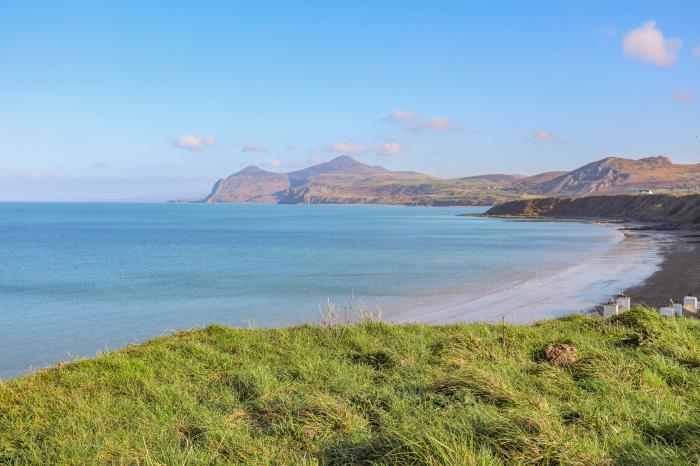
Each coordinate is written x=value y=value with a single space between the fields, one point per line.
x=676 y=210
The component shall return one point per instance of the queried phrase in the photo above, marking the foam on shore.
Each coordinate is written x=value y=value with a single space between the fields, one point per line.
x=574 y=288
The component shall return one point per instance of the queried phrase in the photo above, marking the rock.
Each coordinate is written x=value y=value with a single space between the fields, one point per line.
x=560 y=354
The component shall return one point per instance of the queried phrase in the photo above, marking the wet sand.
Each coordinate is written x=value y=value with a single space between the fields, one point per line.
x=636 y=258
x=678 y=274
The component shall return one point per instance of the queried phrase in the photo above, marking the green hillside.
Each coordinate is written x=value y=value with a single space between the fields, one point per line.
x=625 y=392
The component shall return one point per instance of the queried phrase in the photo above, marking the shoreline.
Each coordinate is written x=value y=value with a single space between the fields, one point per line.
x=628 y=264
x=678 y=273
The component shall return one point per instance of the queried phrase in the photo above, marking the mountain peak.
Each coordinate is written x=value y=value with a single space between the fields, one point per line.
x=345 y=162
x=341 y=165
x=344 y=157
x=251 y=170
x=658 y=160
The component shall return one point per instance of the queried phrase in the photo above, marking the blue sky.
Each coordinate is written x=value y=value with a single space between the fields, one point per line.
x=148 y=100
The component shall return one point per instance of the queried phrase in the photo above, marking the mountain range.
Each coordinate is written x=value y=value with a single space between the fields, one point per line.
x=345 y=180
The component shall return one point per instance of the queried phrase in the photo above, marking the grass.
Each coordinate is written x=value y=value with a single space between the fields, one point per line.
x=371 y=393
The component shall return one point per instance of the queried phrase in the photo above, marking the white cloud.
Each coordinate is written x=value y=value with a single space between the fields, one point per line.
x=437 y=123
x=695 y=52
x=346 y=148
x=193 y=142
x=546 y=136
x=543 y=135
x=274 y=163
x=647 y=43
x=413 y=122
x=685 y=96
x=390 y=148
x=400 y=115
x=254 y=148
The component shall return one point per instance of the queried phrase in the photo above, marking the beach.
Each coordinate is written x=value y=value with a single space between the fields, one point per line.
x=640 y=261
x=678 y=273
x=155 y=269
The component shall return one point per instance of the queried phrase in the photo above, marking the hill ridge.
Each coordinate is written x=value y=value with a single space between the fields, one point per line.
x=345 y=180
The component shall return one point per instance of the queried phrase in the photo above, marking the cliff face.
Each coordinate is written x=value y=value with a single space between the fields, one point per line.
x=252 y=184
x=678 y=210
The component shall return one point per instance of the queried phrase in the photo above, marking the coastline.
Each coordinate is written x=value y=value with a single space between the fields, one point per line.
x=628 y=264
x=678 y=274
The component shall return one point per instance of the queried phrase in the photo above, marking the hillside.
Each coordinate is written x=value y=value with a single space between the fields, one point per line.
x=615 y=175
x=344 y=180
x=578 y=390
x=678 y=210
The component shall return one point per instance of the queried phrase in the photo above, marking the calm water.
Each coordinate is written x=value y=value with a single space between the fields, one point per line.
x=80 y=278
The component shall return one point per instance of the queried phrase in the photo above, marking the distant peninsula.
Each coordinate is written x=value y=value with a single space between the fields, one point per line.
x=345 y=180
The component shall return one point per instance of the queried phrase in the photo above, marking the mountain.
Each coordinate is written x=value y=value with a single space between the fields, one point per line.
x=345 y=180
x=338 y=166
x=615 y=175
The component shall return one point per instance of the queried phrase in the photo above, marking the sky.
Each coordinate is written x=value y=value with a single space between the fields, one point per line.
x=137 y=100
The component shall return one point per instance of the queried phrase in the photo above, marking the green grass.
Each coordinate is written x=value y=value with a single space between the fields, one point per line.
x=371 y=393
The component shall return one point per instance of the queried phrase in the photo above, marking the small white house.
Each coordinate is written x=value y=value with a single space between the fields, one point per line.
x=666 y=311
x=690 y=302
x=678 y=309
x=611 y=308
x=623 y=302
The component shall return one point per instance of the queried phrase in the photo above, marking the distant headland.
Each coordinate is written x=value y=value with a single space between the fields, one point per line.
x=345 y=180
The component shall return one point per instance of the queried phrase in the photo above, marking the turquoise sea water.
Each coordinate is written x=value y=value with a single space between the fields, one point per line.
x=81 y=278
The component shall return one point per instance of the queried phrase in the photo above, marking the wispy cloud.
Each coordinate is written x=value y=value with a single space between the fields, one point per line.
x=648 y=44
x=390 y=148
x=346 y=148
x=254 y=148
x=273 y=163
x=546 y=136
x=606 y=32
x=685 y=96
x=413 y=122
x=194 y=142
x=695 y=53
x=32 y=175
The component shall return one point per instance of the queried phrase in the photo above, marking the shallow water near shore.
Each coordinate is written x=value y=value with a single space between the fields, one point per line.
x=80 y=278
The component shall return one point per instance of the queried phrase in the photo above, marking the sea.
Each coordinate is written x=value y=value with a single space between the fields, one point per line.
x=79 y=279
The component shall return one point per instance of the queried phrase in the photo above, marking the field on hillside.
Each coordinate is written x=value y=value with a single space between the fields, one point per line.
x=623 y=391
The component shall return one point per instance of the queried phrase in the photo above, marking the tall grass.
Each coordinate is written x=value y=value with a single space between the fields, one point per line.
x=371 y=393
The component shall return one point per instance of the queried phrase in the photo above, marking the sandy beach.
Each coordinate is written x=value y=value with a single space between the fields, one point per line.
x=678 y=274
x=654 y=259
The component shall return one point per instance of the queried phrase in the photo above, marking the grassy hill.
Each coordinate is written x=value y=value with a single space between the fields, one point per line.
x=625 y=392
